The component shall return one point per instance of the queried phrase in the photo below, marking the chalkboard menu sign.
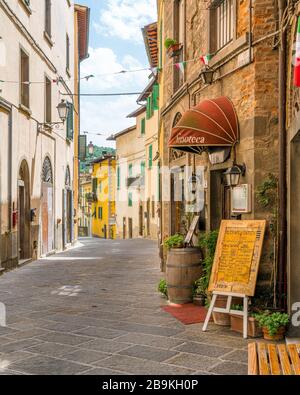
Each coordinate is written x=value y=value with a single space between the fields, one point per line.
x=237 y=257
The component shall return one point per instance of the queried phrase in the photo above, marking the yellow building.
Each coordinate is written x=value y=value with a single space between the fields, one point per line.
x=104 y=206
x=85 y=206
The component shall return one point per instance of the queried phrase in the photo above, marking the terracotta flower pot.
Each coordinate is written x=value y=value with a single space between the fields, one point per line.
x=199 y=300
x=174 y=50
x=223 y=319
x=236 y=322
x=278 y=336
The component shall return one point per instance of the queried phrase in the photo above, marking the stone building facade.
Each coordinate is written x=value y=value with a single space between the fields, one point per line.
x=245 y=70
x=37 y=70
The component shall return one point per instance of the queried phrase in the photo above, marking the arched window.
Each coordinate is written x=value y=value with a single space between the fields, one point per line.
x=68 y=178
x=177 y=118
x=47 y=174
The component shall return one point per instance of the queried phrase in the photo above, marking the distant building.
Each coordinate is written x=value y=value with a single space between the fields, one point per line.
x=103 y=190
x=86 y=199
x=130 y=175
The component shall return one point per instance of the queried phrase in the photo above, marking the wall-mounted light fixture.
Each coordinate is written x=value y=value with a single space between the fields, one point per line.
x=233 y=175
x=207 y=75
x=63 y=112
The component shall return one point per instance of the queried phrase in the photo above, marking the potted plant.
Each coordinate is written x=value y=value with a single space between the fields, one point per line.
x=236 y=323
x=175 y=241
x=200 y=292
x=162 y=288
x=273 y=324
x=173 y=47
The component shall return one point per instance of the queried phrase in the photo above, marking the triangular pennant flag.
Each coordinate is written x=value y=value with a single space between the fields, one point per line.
x=180 y=66
x=205 y=59
x=297 y=60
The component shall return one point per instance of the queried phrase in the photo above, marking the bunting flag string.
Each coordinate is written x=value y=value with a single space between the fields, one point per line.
x=181 y=66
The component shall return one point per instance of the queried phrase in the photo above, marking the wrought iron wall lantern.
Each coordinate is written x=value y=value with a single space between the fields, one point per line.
x=233 y=175
x=207 y=75
x=63 y=112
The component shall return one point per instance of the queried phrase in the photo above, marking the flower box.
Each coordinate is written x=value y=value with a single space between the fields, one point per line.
x=236 y=322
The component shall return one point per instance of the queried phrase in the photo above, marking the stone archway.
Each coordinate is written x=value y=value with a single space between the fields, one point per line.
x=47 y=202
x=24 y=212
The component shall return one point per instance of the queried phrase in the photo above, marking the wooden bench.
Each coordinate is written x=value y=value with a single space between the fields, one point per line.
x=273 y=359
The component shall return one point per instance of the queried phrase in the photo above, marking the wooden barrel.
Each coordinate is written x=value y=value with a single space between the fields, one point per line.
x=184 y=267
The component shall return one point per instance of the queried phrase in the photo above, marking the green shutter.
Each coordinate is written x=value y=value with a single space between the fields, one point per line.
x=130 y=170
x=155 y=97
x=70 y=122
x=143 y=126
x=118 y=177
x=143 y=168
x=130 y=199
x=150 y=157
x=149 y=106
x=95 y=184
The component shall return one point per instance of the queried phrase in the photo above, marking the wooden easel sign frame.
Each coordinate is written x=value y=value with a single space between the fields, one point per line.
x=235 y=267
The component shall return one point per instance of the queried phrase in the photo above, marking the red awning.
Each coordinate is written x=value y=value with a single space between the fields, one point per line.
x=212 y=123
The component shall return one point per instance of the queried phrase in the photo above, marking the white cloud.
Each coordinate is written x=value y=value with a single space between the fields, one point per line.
x=106 y=116
x=124 y=18
x=104 y=61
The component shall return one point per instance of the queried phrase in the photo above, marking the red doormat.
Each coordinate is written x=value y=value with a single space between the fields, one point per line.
x=187 y=313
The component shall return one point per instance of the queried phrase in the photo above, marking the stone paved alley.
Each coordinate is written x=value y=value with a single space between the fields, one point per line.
x=95 y=310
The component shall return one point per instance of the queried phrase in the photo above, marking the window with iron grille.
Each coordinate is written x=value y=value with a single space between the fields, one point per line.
x=222 y=23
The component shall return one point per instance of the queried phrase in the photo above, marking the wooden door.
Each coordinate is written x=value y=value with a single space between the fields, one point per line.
x=124 y=228
x=130 y=228
x=47 y=219
x=21 y=222
x=141 y=220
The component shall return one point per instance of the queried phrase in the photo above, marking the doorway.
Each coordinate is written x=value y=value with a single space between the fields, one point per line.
x=68 y=227
x=24 y=212
x=220 y=199
x=124 y=228
x=130 y=228
x=47 y=202
x=141 y=218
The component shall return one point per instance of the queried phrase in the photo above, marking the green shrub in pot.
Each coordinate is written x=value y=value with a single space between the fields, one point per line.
x=175 y=241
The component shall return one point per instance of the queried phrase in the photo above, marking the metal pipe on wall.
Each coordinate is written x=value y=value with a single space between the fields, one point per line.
x=282 y=242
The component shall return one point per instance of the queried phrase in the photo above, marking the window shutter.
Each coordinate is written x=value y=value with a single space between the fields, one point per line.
x=130 y=170
x=155 y=96
x=150 y=156
x=130 y=199
x=70 y=122
x=149 y=102
x=142 y=168
x=95 y=185
x=143 y=126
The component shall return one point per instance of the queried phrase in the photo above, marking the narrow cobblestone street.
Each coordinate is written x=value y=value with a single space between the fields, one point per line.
x=95 y=310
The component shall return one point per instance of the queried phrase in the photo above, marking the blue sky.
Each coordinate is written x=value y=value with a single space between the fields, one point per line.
x=116 y=43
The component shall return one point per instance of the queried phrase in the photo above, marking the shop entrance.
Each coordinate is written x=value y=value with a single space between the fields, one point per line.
x=24 y=212
x=220 y=199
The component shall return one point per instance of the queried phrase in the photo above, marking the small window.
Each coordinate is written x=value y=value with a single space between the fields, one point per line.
x=24 y=88
x=48 y=17
x=100 y=213
x=68 y=53
x=48 y=100
x=221 y=24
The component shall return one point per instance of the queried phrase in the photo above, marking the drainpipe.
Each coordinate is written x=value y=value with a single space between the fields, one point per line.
x=282 y=265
